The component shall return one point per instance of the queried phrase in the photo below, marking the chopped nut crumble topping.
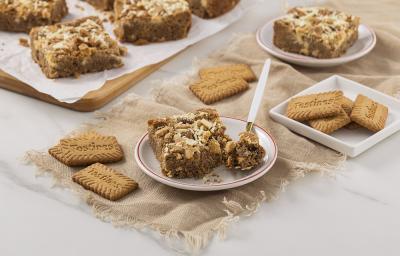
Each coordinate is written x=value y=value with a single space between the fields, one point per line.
x=153 y=8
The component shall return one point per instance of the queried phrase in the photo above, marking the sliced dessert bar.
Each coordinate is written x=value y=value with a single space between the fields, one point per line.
x=103 y=5
x=188 y=145
x=73 y=48
x=245 y=153
x=211 y=8
x=145 y=21
x=22 y=15
x=317 y=32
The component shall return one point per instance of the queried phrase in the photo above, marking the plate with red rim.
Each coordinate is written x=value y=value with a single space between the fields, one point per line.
x=229 y=178
x=365 y=43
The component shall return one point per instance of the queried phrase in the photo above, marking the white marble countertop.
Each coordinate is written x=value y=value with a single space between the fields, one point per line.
x=358 y=213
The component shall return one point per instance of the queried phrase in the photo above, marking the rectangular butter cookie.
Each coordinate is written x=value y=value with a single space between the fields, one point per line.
x=315 y=106
x=330 y=124
x=86 y=149
x=368 y=113
x=234 y=70
x=215 y=89
x=105 y=181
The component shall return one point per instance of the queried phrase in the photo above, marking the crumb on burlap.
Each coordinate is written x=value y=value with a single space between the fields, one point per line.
x=24 y=42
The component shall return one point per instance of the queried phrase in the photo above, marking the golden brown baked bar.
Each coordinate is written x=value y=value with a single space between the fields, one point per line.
x=316 y=31
x=244 y=154
x=73 y=48
x=211 y=8
x=145 y=21
x=188 y=145
x=103 y=5
x=22 y=15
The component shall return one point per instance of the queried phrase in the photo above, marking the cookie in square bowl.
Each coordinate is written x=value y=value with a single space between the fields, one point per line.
x=353 y=139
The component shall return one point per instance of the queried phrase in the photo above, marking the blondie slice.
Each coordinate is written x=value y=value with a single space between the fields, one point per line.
x=73 y=48
x=245 y=153
x=317 y=32
x=188 y=145
x=103 y=5
x=22 y=15
x=145 y=21
x=211 y=8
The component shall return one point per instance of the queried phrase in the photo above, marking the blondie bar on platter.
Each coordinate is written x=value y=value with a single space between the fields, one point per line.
x=211 y=8
x=316 y=31
x=73 y=48
x=188 y=145
x=22 y=15
x=103 y=5
x=145 y=21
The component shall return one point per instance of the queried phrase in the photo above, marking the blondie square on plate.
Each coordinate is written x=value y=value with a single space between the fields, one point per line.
x=188 y=145
x=73 y=48
x=22 y=15
x=145 y=21
x=317 y=32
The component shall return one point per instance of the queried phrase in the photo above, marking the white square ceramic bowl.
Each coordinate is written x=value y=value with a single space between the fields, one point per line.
x=347 y=141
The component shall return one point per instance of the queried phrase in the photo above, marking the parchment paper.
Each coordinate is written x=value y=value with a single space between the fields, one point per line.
x=16 y=60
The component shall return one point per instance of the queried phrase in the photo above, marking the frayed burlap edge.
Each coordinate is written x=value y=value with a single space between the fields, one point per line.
x=192 y=243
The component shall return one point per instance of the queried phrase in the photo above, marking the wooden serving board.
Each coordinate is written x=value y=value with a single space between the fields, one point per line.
x=92 y=100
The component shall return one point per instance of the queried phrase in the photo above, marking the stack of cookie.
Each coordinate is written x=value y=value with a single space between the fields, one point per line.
x=218 y=83
x=93 y=150
x=330 y=111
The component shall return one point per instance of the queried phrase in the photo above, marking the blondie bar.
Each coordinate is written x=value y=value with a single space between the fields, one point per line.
x=244 y=154
x=103 y=5
x=22 y=15
x=211 y=8
x=73 y=48
x=317 y=32
x=188 y=145
x=145 y=21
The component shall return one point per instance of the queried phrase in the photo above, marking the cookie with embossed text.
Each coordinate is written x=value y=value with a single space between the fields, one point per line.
x=86 y=149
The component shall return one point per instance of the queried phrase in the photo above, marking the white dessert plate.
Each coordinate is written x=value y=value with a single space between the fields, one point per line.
x=365 y=43
x=351 y=142
x=148 y=162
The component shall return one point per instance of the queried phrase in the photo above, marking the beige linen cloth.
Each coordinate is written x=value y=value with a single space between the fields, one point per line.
x=195 y=217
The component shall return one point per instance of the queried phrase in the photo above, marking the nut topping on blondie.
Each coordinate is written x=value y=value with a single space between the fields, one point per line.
x=316 y=31
x=188 y=145
x=153 y=8
x=192 y=144
x=76 y=47
x=144 y=21
x=208 y=9
x=22 y=15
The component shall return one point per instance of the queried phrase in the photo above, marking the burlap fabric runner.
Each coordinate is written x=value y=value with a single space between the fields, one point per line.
x=196 y=217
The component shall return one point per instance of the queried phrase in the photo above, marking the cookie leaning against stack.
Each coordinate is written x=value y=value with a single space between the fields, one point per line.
x=218 y=83
x=330 y=111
